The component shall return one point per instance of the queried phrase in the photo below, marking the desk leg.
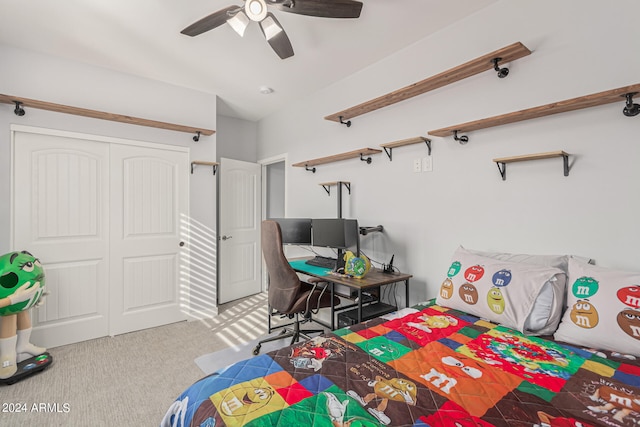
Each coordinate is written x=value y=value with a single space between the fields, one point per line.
x=359 y=305
x=406 y=289
x=333 y=313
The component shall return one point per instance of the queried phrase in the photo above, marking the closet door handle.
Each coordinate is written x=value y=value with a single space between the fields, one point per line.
x=226 y=237
x=181 y=244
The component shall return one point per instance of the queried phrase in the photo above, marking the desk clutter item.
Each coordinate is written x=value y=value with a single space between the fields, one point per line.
x=355 y=266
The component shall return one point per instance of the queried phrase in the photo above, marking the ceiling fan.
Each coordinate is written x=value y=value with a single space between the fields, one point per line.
x=239 y=17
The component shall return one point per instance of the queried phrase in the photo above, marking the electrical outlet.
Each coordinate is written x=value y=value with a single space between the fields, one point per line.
x=417 y=165
x=427 y=164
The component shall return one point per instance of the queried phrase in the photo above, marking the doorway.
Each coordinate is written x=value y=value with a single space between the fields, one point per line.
x=274 y=190
x=274 y=199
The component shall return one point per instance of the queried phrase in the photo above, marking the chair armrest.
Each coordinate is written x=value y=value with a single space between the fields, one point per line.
x=315 y=281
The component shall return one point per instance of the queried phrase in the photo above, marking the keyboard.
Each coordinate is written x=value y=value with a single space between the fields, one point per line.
x=321 y=261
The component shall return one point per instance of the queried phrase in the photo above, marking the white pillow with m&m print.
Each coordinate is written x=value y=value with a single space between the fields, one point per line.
x=504 y=292
x=603 y=309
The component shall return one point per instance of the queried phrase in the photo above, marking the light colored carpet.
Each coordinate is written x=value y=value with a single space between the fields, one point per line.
x=130 y=379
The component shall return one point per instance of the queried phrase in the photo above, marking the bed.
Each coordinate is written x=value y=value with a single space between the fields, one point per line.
x=452 y=365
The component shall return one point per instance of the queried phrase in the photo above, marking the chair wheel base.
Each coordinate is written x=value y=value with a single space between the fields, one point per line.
x=256 y=350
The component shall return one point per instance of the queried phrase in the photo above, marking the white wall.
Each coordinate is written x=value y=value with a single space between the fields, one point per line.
x=579 y=47
x=36 y=76
x=275 y=187
x=237 y=139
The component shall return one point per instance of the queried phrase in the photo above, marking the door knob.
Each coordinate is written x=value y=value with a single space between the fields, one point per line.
x=181 y=244
x=226 y=237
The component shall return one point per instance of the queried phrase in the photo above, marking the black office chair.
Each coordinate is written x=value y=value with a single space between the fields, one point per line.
x=288 y=295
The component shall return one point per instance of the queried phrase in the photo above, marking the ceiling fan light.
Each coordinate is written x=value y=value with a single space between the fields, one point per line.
x=239 y=22
x=270 y=28
x=256 y=10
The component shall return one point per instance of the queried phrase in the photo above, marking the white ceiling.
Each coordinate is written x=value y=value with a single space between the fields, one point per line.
x=142 y=37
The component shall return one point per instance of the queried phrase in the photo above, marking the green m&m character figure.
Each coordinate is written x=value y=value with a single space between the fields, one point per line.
x=21 y=287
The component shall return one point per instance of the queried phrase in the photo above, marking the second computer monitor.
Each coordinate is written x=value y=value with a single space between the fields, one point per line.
x=295 y=231
x=337 y=233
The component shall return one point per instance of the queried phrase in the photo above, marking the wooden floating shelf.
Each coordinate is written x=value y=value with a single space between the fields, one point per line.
x=338 y=157
x=525 y=157
x=502 y=162
x=201 y=163
x=600 y=98
x=59 y=108
x=389 y=146
x=327 y=185
x=404 y=142
x=507 y=54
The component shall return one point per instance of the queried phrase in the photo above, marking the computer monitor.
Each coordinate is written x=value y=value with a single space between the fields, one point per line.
x=352 y=236
x=295 y=231
x=337 y=233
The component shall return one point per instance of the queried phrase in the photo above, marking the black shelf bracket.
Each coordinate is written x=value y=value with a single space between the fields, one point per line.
x=365 y=159
x=502 y=167
x=565 y=164
x=196 y=138
x=312 y=170
x=18 y=111
x=346 y=184
x=347 y=123
x=462 y=140
x=502 y=72
x=366 y=230
x=630 y=109
x=428 y=142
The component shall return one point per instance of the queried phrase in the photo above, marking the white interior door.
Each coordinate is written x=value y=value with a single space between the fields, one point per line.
x=60 y=192
x=239 y=253
x=149 y=199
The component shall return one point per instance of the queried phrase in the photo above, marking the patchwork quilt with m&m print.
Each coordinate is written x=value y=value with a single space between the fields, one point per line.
x=423 y=366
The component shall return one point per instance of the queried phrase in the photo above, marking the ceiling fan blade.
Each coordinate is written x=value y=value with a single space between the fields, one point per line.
x=210 y=22
x=275 y=35
x=320 y=8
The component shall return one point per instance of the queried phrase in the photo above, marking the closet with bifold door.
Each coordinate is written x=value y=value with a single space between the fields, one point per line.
x=108 y=218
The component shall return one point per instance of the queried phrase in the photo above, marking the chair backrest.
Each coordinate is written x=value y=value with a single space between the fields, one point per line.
x=284 y=284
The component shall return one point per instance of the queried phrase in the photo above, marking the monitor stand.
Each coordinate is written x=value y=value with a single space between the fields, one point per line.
x=340 y=261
